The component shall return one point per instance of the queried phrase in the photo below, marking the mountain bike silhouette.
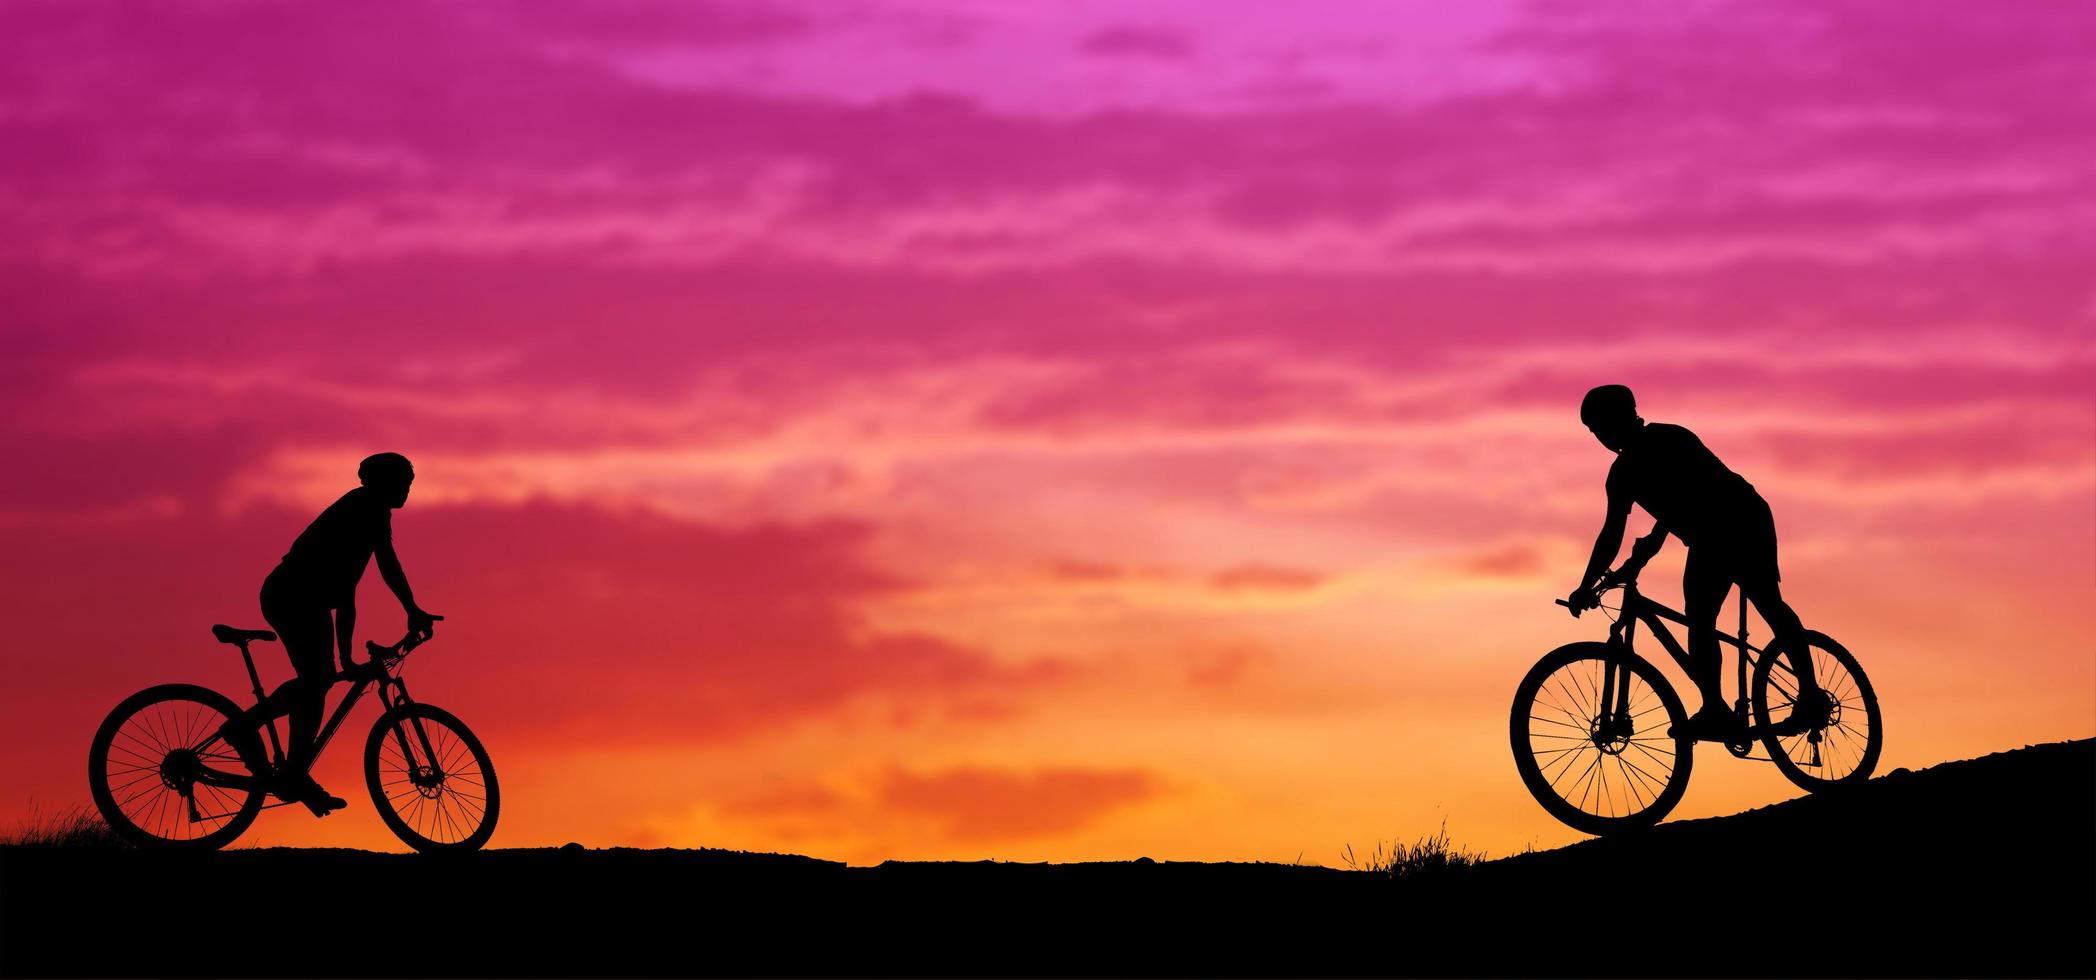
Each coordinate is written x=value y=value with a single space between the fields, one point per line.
x=162 y=775
x=1593 y=725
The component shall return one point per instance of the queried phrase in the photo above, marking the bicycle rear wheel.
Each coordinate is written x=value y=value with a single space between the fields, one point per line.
x=146 y=770
x=1834 y=737
x=431 y=780
x=1600 y=775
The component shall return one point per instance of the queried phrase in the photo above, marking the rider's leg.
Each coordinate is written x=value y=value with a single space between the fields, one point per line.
x=307 y=696
x=1759 y=575
x=1704 y=583
x=1789 y=631
x=308 y=692
x=307 y=631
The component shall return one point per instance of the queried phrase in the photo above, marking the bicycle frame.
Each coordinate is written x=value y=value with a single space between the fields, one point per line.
x=392 y=693
x=1615 y=691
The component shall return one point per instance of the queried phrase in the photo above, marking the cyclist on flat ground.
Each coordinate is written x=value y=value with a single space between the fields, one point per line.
x=1729 y=531
x=310 y=600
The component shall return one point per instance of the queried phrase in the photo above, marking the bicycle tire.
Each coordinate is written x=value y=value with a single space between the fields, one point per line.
x=1536 y=752
x=1851 y=695
x=454 y=817
x=153 y=811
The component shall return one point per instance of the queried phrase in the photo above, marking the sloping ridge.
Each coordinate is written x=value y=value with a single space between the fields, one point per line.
x=2013 y=799
x=1982 y=867
x=1985 y=867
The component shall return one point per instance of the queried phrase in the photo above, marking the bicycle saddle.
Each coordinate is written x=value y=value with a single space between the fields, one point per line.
x=227 y=634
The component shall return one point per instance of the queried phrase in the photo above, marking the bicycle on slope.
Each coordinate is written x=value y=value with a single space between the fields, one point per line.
x=1597 y=730
x=162 y=776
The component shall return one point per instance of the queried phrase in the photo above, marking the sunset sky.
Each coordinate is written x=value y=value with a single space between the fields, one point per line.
x=908 y=429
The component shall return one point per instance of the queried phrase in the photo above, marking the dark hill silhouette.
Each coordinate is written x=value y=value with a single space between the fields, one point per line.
x=1979 y=868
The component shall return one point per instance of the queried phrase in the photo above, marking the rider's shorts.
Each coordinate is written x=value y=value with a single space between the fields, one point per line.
x=1744 y=549
x=305 y=625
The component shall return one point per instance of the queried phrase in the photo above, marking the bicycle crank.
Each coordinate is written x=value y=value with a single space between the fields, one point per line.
x=1743 y=747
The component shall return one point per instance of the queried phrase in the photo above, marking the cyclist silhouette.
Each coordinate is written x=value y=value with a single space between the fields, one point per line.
x=310 y=600
x=1729 y=531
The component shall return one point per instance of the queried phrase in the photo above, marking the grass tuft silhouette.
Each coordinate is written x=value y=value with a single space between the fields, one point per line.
x=1427 y=857
x=75 y=827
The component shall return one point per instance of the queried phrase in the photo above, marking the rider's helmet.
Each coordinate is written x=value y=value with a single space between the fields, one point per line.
x=1610 y=412
x=389 y=474
x=1607 y=406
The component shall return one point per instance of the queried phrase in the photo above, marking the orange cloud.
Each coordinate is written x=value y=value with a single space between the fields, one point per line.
x=1506 y=561
x=980 y=805
x=1271 y=578
x=964 y=805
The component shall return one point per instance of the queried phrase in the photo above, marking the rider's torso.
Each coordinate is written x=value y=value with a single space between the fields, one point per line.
x=328 y=558
x=1681 y=483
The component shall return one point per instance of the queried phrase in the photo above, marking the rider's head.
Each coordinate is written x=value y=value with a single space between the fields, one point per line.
x=388 y=475
x=1610 y=412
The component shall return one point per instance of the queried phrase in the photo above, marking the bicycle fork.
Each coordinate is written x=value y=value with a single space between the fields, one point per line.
x=1614 y=721
x=422 y=776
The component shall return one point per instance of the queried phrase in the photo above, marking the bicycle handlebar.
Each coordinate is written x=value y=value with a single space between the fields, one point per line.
x=395 y=653
x=1610 y=580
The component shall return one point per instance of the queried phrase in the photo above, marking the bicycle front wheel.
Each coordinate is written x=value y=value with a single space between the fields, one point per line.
x=151 y=770
x=431 y=779
x=1600 y=768
x=1829 y=738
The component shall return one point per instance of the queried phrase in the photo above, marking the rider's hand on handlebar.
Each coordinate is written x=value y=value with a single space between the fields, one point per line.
x=1582 y=600
x=421 y=623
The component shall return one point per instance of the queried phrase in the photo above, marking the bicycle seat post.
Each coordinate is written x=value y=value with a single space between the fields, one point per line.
x=252 y=677
x=1742 y=660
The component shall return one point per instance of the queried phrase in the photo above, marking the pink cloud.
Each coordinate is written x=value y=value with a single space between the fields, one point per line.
x=1131 y=41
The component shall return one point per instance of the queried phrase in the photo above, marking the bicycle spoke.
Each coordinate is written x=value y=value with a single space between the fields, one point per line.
x=1625 y=762
x=1572 y=761
x=460 y=792
x=117 y=788
x=141 y=794
x=151 y=753
x=1648 y=750
x=477 y=806
x=1575 y=716
x=1564 y=766
x=1630 y=781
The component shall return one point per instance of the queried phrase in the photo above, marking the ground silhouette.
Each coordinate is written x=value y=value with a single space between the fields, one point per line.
x=1985 y=867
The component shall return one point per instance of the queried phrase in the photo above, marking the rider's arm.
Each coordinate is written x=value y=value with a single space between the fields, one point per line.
x=396 y=579
x=1643 y=550
x=1608 y=542
x=419 y=619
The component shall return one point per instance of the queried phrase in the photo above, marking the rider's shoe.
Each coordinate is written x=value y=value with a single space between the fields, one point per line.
x=303 y=789
x=1708 y=725
x=1807 y=711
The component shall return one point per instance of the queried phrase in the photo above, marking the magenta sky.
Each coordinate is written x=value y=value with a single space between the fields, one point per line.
x=1042 y=431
